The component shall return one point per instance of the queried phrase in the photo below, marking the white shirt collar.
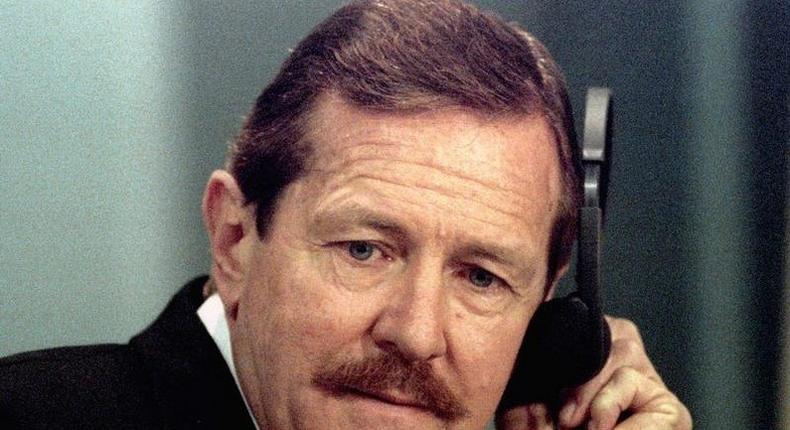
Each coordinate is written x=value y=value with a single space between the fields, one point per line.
x=212 y=315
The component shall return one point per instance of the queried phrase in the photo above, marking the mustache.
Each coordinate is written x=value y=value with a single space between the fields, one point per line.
x=381 y=373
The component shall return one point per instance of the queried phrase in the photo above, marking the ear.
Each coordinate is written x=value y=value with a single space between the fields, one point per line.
x=231 y=230
x=552 y=288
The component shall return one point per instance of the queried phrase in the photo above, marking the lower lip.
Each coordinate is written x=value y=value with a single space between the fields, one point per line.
x=381 y=406
x=366 y=411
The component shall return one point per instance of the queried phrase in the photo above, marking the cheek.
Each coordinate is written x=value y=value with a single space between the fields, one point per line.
x=298 y=312
x=484 y=352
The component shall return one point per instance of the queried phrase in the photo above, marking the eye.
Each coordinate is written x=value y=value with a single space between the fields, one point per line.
x=481 y=278
x=360 y=250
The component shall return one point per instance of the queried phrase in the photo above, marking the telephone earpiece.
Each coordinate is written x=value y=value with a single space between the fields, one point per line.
x=568 y=340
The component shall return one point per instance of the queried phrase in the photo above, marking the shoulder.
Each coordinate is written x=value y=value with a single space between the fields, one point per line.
x=96 y=385
x=50 y=368
x=70 y=354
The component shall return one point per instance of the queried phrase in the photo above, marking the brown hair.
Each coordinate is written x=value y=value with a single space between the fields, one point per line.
x=400 y=55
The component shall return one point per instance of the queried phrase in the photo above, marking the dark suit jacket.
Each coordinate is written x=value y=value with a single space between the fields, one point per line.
x=170 y=376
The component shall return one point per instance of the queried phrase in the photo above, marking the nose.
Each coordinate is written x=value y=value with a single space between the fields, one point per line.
x=412 y=323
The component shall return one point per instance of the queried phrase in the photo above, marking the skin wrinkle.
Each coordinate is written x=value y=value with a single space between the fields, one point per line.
x=402 y=196
x=528 y=253
x=447 y=193
x=374 y=147
x=522 y=281
x=468 y=252
x=458 y=175
x=529 y=250
x=512 y=193
x=388 y=139
x=341 y=140
x=514 y=200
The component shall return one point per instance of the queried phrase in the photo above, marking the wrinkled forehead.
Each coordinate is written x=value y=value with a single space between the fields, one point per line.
x=514 y=155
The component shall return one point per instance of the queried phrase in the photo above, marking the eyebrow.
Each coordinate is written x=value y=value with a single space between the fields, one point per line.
x=357 y=215
x=493 y=252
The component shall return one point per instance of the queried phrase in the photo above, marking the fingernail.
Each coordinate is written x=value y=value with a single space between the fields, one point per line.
x=566 y=414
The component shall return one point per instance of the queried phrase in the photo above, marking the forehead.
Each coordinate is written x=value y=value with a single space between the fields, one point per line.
x=512 y=160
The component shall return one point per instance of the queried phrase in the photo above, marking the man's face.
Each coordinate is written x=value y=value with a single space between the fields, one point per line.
x=399 y=274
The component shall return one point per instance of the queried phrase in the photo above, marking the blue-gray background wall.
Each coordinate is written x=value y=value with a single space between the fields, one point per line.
x=113 y=114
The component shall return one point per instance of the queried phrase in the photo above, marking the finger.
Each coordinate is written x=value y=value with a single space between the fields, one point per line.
x=618 y=395
x=535 y=416
x=627 y=350
x=624 y=352
x=671 y=418
x=648 y=401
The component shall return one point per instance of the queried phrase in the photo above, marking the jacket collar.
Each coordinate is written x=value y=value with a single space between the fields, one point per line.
x=188 y=376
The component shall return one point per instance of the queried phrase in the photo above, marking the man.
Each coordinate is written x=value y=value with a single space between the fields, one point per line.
x=401 y=199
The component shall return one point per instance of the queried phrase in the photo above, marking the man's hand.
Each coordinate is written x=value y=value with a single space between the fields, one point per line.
x=627 y=388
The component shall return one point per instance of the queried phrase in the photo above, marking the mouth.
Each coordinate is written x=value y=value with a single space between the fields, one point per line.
x=394 y=398
x=391 y=397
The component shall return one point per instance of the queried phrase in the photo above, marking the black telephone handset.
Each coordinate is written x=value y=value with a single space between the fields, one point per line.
x=568 y=340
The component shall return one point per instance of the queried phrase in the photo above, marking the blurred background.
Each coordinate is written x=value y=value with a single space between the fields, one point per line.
x=112 y=115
